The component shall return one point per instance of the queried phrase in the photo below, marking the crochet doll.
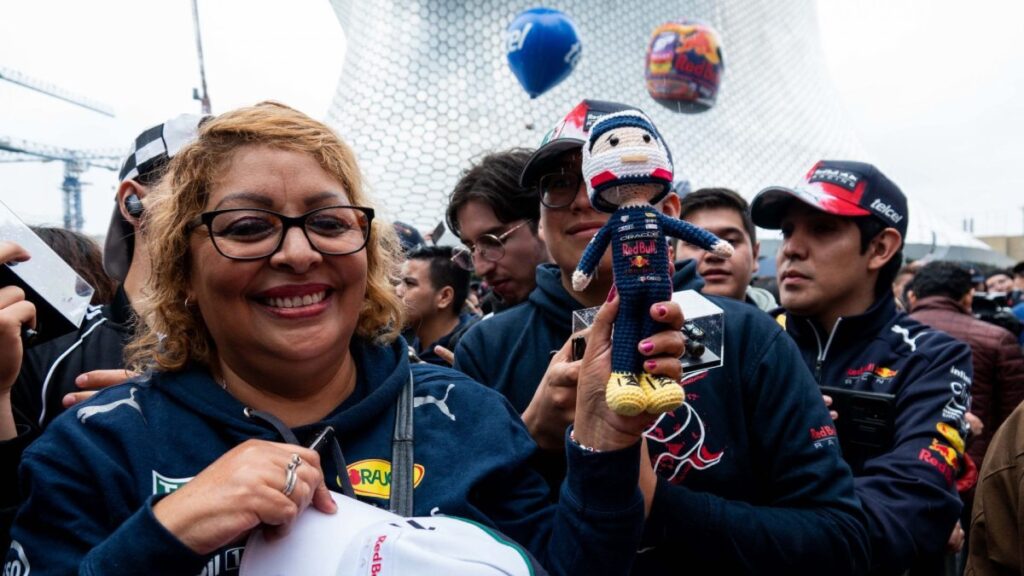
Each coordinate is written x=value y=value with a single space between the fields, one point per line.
x=628 y=169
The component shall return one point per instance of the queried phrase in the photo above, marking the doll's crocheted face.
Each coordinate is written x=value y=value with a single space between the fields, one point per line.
x=623 y=150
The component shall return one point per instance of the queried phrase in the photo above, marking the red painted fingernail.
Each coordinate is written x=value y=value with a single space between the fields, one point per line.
x=646 y=346
x=611 y=294
x=650 y=365
x=661 y=310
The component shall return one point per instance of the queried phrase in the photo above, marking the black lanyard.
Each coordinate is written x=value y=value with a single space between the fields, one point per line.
x=401 y=500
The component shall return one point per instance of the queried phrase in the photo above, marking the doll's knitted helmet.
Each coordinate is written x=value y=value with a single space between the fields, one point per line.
x=625 y=148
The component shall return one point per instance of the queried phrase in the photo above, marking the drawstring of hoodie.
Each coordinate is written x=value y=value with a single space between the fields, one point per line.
x=289 y=437
x=402 y=481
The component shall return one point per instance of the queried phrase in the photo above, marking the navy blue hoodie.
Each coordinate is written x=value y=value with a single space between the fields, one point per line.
x=907 y=491
x=751 y=479
x=510 y=351
x=94 y=475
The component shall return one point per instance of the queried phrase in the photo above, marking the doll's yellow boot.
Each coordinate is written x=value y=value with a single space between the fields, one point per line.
x=624 y=395
x=663 y=394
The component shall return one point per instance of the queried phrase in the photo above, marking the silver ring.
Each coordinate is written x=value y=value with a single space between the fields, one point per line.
x=290 y=476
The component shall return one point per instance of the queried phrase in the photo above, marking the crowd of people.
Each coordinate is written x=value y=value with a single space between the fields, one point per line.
x=864 y=420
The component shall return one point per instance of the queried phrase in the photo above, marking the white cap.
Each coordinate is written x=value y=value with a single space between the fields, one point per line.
x=150 y=152
x=362 y=540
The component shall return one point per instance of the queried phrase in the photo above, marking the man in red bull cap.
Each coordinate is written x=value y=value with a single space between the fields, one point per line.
x=746 y=477
x=843 y=230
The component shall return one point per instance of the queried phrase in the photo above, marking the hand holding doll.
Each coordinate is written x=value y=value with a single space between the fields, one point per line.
x=628 y=169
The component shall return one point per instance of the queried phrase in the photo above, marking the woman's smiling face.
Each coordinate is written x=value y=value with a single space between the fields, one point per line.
x=295 y=304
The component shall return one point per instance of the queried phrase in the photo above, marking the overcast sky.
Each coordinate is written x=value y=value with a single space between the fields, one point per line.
x=933 y=88
x=140 y=58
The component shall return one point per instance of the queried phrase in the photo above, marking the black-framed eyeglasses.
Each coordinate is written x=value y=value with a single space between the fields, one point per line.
x=254 y=233
x=488 y=246
x=559 y=190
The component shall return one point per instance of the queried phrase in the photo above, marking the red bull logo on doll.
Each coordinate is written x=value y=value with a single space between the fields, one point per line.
x=639 y=248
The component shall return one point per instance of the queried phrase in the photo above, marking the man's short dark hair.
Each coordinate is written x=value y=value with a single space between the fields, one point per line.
x=494 y=181
x=870 y=227
x=1018 y=270
x=709 y=198
x=999 y=272
x=444 y=272
x=941 y=279
x=908 y=269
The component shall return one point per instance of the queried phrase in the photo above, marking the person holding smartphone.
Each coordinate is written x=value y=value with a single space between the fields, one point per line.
x=843 y=230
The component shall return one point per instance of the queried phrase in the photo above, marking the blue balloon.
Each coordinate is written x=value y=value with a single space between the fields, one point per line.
x=542 y=48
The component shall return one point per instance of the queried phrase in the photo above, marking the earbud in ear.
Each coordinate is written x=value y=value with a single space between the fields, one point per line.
x=133 y=205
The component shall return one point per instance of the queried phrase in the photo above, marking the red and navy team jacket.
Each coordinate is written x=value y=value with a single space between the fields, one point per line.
x=908 y=490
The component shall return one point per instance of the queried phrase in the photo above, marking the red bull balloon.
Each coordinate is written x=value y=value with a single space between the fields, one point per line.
x=684 y=65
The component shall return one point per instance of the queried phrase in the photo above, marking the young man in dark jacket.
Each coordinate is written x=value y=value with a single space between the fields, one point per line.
x=843 y=229
x=434 y=290
x=725 y=213
x=748 y=478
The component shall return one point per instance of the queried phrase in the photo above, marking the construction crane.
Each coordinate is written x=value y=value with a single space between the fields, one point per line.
x=204 y=96
x=75 y=161
x=49 y=89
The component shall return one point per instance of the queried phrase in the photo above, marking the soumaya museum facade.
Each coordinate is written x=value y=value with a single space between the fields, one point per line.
x=426 y=88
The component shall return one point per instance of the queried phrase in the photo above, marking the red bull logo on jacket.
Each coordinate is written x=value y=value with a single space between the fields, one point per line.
x=884 y=372
x=942 y=457
x=949 y=455
x=681 y=438
x=824 y=435
x=952 y=435
x=872 y=368
x=822 y=432
x=372 y=478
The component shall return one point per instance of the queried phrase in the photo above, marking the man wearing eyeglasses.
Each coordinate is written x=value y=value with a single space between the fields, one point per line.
x=747 y=475
x=496 y=218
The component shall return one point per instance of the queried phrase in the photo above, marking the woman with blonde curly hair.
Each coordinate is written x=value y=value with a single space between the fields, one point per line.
x=270 y=320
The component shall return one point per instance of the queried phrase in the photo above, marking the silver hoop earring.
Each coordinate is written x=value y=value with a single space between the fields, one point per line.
x=186 y=302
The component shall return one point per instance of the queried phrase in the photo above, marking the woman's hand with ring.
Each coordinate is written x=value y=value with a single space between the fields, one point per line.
x=245 y=488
